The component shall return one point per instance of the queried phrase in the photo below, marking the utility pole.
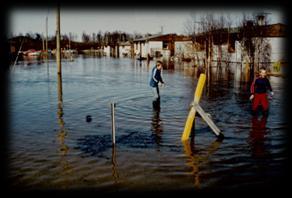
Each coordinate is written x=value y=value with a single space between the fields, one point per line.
x=47 y=37
x=58 y=50
x=43 y=42
x=70 y=52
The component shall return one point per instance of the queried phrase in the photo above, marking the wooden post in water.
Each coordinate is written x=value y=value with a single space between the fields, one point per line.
x=114 y=164
x=18 y=52
x=140 y=51
x=192 y=113
x=197 y=108
x=113 y=122
x=58 y=50
x=208 y=120
x=70 y=51
x=43 y=42
x=60 y=90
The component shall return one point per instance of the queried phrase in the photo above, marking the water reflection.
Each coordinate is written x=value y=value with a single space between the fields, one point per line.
x=156 y=126
x=62 y=134
x=32 y=60
x=218 y=83
x=91 y=143
x=257 y=136
x=197 y=161
x=115 y=172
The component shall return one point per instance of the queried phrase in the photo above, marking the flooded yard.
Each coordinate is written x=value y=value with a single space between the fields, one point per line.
x=52 y=146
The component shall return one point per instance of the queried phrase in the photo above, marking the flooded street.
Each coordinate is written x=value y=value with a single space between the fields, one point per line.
x=53 y=146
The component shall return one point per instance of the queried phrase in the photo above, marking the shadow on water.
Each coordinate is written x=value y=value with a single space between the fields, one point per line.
x=94 y=145
x=98 y=145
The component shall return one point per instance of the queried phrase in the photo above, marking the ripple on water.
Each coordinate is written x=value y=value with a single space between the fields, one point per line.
x=54 y=147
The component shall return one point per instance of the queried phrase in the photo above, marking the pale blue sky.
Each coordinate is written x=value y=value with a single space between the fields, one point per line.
x=128 y=20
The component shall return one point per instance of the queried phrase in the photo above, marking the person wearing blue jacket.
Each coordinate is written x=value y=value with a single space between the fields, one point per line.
x=156 y=78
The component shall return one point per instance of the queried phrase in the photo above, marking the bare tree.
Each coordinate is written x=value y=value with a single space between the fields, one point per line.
x=93 y=38
x=256 y=47
x=247 y=30
x=85 y=37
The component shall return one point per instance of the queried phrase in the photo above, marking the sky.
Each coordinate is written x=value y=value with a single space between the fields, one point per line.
x=135 y=20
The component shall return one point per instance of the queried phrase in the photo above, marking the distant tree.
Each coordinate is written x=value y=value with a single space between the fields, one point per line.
x=99 y=38
x=137 y=35
x=37 y=37
x=85 y=37
x=106 y=38
x=93 y=38
x=115 y=38
x=255 y=46
x=65 y=37
x=29 y=35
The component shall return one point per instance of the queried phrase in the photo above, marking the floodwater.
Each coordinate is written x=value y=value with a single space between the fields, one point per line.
x=53 y=146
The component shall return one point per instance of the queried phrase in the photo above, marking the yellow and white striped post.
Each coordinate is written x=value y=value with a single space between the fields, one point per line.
x=192 y=113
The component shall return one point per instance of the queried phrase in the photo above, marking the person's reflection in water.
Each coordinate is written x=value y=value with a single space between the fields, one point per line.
x=156 y=122
x=257 y=136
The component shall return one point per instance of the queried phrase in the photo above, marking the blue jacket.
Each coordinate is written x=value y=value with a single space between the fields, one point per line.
x=156 y=77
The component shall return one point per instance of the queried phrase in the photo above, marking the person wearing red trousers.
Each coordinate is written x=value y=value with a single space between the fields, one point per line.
x=259 y=89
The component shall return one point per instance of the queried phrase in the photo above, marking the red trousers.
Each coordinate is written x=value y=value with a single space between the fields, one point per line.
x=260 y=99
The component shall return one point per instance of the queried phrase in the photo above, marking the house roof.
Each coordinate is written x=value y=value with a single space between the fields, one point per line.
x=148 y=37
x=164 y=37
x=272 y=30
x=127 y=43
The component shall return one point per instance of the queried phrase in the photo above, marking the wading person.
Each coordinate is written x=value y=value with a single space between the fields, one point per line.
x=259 y=92
x=155 y=80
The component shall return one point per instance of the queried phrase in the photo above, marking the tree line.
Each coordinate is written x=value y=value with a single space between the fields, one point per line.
x=95 y=40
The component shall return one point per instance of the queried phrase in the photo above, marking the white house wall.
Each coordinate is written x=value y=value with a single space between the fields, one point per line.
x=124 y=50
x=182 y=48
x=154 y=46
x=238 y=52
x=107 y=50
x=145 y=49
x=277 y=48
x=277 y=51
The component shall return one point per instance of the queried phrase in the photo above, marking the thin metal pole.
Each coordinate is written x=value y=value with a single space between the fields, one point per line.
x=18 y=52
x=47 y=37
x=58 y=42
x=43 y=41
x=113 y=122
